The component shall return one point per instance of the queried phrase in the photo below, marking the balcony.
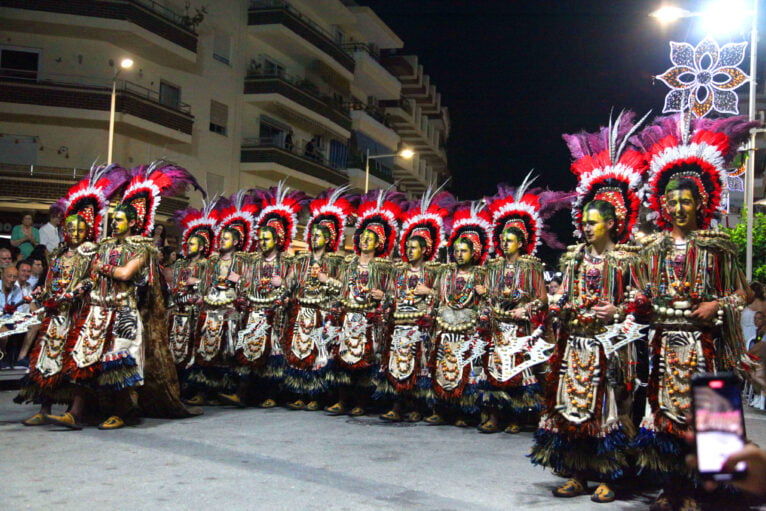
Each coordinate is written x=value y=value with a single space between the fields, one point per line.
x=48 y=98
x=415 y=129
x=370 y=75
x=281 y=25
x=298 y=99
x=30 y=184
x=372 y=121
x=143 y=27
x=267 y=157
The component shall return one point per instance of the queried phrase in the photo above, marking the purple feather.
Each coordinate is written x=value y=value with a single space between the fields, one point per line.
x=181 y=179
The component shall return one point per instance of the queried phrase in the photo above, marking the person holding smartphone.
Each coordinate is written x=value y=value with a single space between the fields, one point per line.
x=695 y=285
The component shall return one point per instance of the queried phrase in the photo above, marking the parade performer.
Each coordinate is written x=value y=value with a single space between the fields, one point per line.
x=66 y=287
x=264 y=286
x=582 y=434
x=212 y=372
x=518 y=299
x=363 y=278
x=404 y=376
x=309 y=332
x=696 y=287
x=122 y=344
x=188 y=281
x=462 y=321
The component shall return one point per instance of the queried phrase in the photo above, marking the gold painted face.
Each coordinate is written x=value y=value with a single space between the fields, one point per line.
x=367 y=241
x=462 y=253
x=414 y=251
x=193 y=246
x=594 y=226
x=268 y=242
x=682 y=208
x=120 y=224
x=511 y=245
x=228 y=242
x=318 y=239
x=76 y=231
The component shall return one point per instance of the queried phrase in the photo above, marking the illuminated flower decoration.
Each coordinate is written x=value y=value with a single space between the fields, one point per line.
x=704 y=78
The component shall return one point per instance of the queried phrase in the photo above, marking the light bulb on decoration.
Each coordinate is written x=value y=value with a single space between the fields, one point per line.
x=406 y=153
x=669 y=14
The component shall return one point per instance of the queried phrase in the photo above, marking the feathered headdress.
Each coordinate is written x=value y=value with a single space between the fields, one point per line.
x=331 y=210
x=510 y=206
x=520 y=210
x=89 y=199
x=474 y=222
x=426 y=219
x=379 y=212
x=279 y=210
x=606 y=171
x=198 y=222
x=149 y=184
x=700 y=152
x=240 y=215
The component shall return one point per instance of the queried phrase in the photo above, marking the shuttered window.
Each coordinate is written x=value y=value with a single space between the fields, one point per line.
x=219 y=116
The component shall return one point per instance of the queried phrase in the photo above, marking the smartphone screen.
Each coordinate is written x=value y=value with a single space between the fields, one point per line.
x=719 y=424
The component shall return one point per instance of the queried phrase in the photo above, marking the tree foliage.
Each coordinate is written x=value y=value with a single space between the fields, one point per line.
x=739 y=236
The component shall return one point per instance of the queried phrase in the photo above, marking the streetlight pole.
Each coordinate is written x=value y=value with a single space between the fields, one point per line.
x=750 y=163
x=124 y=64
x=404 y=153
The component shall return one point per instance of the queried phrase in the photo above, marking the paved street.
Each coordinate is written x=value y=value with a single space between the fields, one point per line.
x=277 y=459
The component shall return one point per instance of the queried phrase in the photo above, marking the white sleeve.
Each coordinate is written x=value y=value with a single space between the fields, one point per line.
x=49 y=237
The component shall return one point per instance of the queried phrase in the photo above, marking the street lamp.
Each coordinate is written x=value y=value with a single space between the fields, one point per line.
x=124 y=64
x=730 y=14
x=405 y=153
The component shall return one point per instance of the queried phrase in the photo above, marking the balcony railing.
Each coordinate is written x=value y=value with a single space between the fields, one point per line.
x=42 y=172
x=370 y=49
x=397 y=103
x=302 y=157
x=147 y=14
x=89 y=93
x=270 y=12
x=300 y=90
x=373 y=110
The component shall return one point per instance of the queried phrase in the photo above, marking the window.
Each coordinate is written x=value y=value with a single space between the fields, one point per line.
x=170 y=95
x=222 y=47
x=18 y=63
x=219 y=116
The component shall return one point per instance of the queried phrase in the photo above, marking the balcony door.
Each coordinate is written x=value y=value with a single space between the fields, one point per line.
x=170 y=95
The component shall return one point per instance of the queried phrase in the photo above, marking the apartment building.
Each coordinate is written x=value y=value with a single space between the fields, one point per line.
x=241 y=93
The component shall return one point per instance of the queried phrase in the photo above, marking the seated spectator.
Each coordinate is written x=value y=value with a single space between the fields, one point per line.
x=6 y=257
x=10 y=297
x=25 y=237
x=50 y=232
x=39 y=271
x=22 y=282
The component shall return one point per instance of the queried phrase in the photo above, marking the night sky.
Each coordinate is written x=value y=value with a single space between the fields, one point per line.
x=517 y=74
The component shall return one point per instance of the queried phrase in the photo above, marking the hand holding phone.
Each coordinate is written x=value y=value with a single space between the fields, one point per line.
x=719 y=425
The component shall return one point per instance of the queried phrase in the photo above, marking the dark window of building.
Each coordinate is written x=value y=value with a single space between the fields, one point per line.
x=19 y=63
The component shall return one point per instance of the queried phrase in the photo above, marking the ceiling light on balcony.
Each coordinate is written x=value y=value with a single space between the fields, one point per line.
x=126 y=63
